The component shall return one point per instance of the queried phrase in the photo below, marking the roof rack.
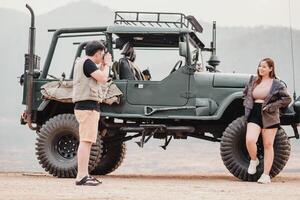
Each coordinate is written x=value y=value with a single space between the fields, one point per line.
x=157 y=19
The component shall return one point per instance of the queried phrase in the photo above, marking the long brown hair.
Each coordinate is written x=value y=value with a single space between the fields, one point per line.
x=272 y=74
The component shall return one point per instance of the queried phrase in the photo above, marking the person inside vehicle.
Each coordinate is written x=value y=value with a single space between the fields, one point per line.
x=127 y=68
x=147 y=74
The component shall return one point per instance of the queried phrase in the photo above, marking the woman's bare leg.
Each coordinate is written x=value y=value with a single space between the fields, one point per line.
x=252 y=134
x=268 y=136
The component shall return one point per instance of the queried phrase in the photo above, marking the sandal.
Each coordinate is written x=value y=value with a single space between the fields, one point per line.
x=88 y=181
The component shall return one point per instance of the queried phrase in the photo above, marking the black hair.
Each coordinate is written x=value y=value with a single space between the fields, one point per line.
x=146 y=72
x=92 y=47
x=128 y=51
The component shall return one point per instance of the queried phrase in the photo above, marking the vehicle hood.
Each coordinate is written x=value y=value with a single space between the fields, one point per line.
x=230 y=80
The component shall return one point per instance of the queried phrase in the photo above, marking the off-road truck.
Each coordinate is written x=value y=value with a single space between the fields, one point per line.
x=193 y=100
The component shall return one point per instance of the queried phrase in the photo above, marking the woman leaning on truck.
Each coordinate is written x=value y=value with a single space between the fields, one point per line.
x=264 y=96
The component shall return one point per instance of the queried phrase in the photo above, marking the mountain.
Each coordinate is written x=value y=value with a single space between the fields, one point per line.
x=14 y=41
x=239 y=48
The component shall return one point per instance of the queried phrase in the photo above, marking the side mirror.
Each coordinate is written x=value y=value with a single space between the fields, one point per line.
x=183 y=49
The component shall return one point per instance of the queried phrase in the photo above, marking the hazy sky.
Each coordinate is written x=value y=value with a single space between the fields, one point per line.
x=226 y=12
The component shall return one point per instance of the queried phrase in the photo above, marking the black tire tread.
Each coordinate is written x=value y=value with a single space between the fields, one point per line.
x=111 y=161
x=239 y=167
x=59 y=169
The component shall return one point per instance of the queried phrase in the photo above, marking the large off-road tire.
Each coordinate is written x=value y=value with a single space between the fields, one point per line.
x=57 y=144
x=235 y=155
x=112 y=157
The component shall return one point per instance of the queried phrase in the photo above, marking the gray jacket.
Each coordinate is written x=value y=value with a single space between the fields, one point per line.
x=276 y=99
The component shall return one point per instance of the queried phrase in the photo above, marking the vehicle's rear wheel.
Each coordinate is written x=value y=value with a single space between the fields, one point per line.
x=235 y=155
x=57 y=144
x=111 y=158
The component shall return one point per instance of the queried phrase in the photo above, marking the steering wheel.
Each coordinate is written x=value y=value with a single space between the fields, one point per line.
x=176 y=66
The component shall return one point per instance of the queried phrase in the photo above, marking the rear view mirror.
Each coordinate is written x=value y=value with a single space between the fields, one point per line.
x=183 y=49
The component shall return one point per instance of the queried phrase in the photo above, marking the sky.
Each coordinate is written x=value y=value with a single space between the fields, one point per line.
x=225 y=12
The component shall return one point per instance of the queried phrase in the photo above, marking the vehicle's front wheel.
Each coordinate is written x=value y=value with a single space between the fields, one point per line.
x=57 y=144
x=235 y=155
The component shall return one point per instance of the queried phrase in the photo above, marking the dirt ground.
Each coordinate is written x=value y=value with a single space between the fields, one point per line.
x=30 y=186
x=189 y=169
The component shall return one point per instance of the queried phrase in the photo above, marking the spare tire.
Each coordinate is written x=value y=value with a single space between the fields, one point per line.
x=57 y=144
x=235 y=155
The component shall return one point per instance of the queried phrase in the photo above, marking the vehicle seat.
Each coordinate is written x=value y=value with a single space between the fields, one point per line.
x=125 y=70
x=128 y=70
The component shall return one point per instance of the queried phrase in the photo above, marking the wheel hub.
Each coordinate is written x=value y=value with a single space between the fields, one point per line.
x=67 y=146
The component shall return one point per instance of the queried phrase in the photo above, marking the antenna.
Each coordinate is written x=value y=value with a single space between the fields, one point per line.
x=213 y=60
x=292 y=48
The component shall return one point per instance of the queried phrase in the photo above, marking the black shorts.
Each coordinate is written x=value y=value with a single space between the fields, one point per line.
x=256 y=118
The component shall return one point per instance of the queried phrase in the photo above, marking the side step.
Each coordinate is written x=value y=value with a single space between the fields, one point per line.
x=158 y=127
x=150 y=129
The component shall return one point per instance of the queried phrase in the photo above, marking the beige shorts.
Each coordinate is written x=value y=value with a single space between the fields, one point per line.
x=88 y=124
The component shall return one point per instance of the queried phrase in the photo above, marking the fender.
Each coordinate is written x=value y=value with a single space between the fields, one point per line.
x=43 y=105
x=227 y=101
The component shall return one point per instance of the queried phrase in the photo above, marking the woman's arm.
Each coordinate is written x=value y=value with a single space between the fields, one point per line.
x=245 y=91
x=283 y=101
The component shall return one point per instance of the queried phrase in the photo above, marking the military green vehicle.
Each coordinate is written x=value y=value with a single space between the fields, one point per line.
x=191 y=101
